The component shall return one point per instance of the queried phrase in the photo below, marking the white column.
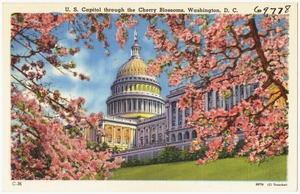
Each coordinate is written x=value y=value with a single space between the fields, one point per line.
x=149 y=137
x=156 y=130
x=183 y=118
x=169 y=112
x=122 y=106
x=248 y=92
x=159 y=108
x=206 y=102
x=176 y=113
x=144 y=139
x=239 y=93
x=117 y=107
x=153 y=109
x=131 y=105
x=113 y=135
x=131 y=137
x=214 y=99
x=236 y=95
x=122 y=136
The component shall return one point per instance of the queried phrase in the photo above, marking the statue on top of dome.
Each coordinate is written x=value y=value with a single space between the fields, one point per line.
x=135 y=35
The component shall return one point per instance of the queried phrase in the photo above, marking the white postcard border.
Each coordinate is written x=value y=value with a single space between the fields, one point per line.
x=154 y=186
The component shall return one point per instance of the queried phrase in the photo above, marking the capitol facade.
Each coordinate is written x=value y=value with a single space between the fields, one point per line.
x=140 y=121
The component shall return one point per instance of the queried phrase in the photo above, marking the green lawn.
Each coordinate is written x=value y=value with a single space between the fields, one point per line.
x=224 y=169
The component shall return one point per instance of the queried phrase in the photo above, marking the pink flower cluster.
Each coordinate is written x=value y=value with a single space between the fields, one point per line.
x=124 y=21
x=43 y=149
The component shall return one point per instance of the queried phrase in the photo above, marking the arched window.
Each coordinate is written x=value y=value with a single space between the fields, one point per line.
x=142 y=140
x=118 y=139
x=160 y=137
x=186 y=135
x=109 y=139
x=146 y=140
x=126 y=140
x=179 y=136
x=153 y=138
x=173 y=112
x=194 y=134
x=173 y=138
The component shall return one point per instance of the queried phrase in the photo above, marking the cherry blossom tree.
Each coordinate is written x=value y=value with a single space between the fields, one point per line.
x=42 y=144
x=223 y=52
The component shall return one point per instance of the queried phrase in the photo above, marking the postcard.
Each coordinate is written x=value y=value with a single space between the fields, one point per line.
x=133 y=97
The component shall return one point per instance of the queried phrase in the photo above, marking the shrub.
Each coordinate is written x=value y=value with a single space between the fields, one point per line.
x=168 y=154
x=172 y=154
x=185 y=155
x=199 y=153
x=131 y=162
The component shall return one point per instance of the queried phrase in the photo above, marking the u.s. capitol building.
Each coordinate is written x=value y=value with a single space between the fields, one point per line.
x=140 y=121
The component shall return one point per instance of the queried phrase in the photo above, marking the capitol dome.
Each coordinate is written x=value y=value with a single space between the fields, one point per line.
x=135 y=66
x=134 y=94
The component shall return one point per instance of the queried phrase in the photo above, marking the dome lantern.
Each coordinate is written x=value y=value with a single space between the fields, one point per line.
x=135 y=48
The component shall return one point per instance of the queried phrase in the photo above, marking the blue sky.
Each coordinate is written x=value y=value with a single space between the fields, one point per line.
x=101 y=69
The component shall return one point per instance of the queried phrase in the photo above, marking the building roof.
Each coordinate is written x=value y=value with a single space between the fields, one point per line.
x=135 y=66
